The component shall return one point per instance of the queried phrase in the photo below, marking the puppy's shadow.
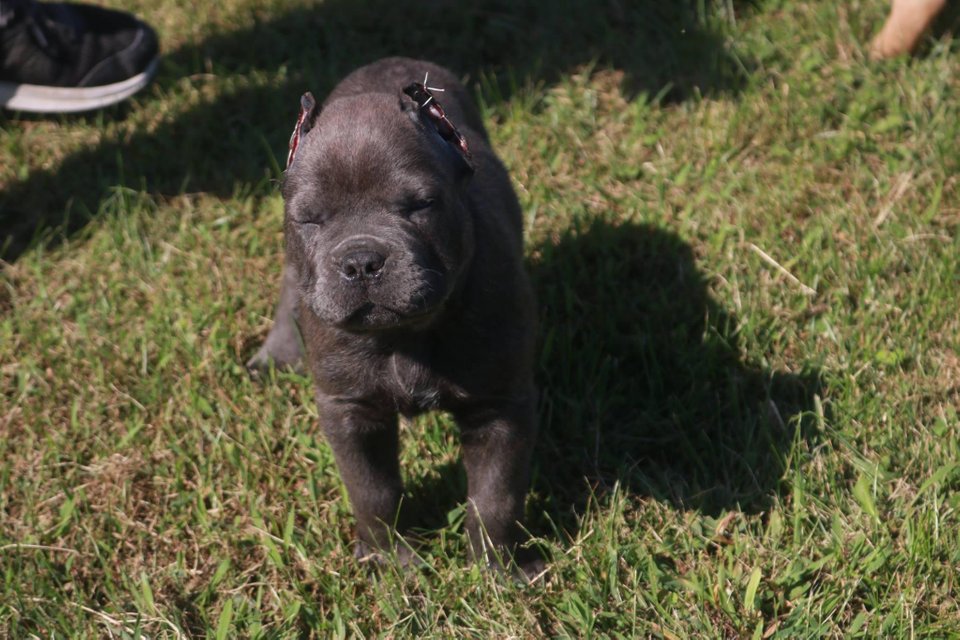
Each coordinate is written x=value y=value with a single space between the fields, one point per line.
x=643 y=384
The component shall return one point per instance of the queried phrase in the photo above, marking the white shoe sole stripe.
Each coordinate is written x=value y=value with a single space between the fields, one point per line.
x=40 y=99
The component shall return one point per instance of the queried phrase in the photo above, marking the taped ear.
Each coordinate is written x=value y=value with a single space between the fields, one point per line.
x=309 y=110
x=433 y=114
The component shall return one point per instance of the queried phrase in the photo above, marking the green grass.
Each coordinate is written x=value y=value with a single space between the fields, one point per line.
x=744 y=238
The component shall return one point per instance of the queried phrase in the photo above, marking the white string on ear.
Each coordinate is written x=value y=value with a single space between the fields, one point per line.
x=431 y=109
x=427 y=75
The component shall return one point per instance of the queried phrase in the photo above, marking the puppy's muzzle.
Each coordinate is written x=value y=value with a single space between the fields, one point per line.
x=361 y=265
x=360 y=259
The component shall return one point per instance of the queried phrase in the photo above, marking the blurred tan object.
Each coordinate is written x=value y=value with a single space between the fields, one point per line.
x=907 y=22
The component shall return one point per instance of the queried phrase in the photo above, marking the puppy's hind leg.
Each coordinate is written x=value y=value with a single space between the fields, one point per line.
x=283 y=346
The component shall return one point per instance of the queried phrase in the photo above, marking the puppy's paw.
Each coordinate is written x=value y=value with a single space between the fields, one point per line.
x=259 y=365
x=532 y=570
x=404 y=556
x=525 y=566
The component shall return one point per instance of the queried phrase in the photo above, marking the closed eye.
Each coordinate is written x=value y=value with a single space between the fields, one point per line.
x=311 y=218
x=419 y=204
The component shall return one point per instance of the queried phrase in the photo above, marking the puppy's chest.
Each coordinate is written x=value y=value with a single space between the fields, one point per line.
x=415 y=385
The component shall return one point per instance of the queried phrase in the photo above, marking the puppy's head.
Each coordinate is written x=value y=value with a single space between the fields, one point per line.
x=376 y=222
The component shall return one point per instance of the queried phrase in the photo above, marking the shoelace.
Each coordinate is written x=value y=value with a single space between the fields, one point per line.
x=38 y=21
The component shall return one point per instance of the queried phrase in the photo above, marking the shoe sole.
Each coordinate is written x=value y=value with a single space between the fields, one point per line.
x=41 y=99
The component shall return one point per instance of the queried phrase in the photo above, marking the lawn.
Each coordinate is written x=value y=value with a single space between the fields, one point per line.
x=745 y=240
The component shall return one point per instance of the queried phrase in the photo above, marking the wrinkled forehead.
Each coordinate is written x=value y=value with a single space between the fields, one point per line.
x=368 y=146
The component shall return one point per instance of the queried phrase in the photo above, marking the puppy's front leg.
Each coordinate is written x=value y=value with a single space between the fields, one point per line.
x=497 y=447
x=365 y=443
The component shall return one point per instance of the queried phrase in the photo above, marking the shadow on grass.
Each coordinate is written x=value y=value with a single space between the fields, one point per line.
x=642 y=384
x=223 y=145
x=946 y=25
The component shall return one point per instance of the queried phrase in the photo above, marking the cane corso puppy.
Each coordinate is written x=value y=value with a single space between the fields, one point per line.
x=404 y=279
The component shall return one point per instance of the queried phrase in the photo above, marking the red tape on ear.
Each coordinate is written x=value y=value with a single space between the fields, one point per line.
x=431 y=109
x=295 y=138
x=307 y=104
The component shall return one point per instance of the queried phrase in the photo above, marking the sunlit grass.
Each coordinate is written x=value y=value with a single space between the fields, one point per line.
x=744 y=241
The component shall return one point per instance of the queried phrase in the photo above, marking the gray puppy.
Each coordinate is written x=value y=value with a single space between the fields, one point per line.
x=404 y=274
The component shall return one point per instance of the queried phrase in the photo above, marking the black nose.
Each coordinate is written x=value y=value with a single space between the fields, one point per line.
x=361 y=265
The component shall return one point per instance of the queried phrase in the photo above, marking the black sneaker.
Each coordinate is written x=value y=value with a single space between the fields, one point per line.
x=59 y=58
